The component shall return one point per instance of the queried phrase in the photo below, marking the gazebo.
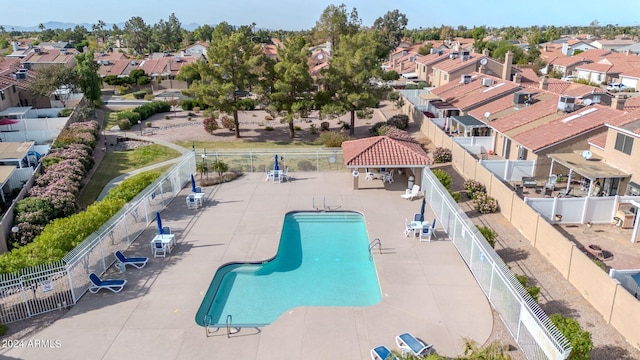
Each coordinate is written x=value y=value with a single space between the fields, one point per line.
x=395 y=151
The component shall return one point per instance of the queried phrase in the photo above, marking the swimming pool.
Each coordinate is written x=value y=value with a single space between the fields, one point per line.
x=322 y=260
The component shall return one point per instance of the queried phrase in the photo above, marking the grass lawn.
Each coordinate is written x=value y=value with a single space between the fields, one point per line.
x=116 y=163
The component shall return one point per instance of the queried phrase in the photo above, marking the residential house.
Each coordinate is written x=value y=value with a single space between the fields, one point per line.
x=424 y=63
x=614 y=44
x=39 y=57
x=604 y=71
x=631 y=78
x=14 y=86
x=569 y=47
x=460 y=63
x=197 y=49
x=566 y=65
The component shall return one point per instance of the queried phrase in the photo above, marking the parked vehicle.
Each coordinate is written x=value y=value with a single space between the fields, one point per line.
x=616 y=87
x=569 y=78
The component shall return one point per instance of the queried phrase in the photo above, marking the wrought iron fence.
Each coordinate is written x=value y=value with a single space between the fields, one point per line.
x=261 y=159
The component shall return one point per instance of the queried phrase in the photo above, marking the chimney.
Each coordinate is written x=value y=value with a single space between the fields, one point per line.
x=545 y=48
x=485 y=52
x=16 y=46
x=517 y=78
x=544 y=83
x=618 y=101
x=506 y=68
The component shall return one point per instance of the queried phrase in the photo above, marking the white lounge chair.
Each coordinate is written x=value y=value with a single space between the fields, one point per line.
x=411 y=194
x=138 y=262
x=382 y=353
x=112 y=285
x=410 y=344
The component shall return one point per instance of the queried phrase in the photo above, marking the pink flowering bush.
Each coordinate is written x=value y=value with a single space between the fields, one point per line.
x=472 y=187
x=484 y=203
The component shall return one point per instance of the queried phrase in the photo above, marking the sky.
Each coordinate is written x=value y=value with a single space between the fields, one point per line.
x=303 y=14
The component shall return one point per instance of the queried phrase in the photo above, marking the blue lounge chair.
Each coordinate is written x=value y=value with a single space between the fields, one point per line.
x=111 y=285
x=382 y=353
x=138 y=262
x=410 y=344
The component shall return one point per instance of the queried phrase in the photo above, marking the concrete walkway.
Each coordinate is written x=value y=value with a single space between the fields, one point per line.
x=426 y=287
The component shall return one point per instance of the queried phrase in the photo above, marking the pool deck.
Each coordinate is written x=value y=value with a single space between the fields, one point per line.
x=426 y=287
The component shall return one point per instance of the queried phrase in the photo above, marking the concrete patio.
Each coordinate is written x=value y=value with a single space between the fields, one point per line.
x=426 y=287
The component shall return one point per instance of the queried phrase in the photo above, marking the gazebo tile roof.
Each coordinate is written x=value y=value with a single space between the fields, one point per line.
x=384 y=151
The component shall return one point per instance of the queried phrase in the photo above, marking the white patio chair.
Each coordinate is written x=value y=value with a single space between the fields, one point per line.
x=191 y=202
x=408 y=228
x=388 y=178
x=277 y=178
x=159 y=249
x=285 y=174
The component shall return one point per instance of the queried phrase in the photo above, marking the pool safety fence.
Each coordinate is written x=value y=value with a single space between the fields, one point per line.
x=259 y=160
x=526 y=321
x=49 y=287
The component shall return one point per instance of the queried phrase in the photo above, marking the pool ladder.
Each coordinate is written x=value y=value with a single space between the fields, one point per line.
x=375 y=242
x=209 y=327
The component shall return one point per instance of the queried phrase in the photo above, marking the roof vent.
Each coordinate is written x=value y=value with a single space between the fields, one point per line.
x=37 y=50
x=465 y=79
x=567 y=104
x=487 y=82
x=178 y=59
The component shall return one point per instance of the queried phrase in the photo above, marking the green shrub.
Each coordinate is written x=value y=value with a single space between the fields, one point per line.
x=65 y=112
x=297 y=128
x=489 y=234
x=246 y=104
x=324 y=126
x=484 y=203
x=331 y=139
x=442 y=155
x=579 y=339
x=393 y=96
x=3 y=329
x=443 y=177
x=268 y=128
x=228 y=123
x=313 y=129
x=268 y=117
x=455 y=195
x=534 y=291
x=210 y=125
x=219 y=166
x=139 y=94
x=400 y=121
x=132 y=116
x=124 y=124
x=472 y=187
x=148 y=124
x=143 y=80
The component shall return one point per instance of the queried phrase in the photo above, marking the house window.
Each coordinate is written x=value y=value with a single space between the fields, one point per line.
x=1 y=95
x=446 y=77
x=624 y=143
x=13 y=88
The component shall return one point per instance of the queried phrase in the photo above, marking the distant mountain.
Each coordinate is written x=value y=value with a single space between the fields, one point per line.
x=63 y=25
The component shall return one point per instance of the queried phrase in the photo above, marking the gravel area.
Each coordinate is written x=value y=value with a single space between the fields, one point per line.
x=557 y=295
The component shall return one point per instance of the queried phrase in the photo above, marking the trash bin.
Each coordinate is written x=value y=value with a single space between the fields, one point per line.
x=121 y=267
x=410 y=182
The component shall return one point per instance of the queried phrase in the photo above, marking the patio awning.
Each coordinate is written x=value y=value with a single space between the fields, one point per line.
x=592 y=168
x=429 y=96
x=14 y=151
x=468 y=121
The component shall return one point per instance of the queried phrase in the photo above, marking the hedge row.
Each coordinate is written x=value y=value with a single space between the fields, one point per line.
x=63 y=234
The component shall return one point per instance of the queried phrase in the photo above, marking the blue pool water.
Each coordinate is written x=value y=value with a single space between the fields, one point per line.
x=322 y=260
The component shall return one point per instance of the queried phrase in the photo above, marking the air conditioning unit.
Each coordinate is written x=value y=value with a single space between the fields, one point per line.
x=37 y=50
x=567 y=104
x=487 y=82
x=465 y=55
x=178 y=59
x=453 y=55
x=465 y=79
x=433 y=51
x=522 y=98
x=133 y=62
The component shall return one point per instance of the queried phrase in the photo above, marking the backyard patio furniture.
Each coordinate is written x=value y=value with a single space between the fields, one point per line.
x=410 y=344
x=112 y=285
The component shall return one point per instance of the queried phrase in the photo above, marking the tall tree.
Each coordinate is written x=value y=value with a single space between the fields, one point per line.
x=292 y=91
x=137 y=34
x=234 y=64
x=52 y=78
x=391 y=26
x=88 y=79
x=478 y=34
x=353 y=67
x=168 y=35
x=335 y=22
x=203 y=33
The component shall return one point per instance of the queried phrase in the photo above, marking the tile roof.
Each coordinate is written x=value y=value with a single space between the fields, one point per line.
x=562 y=129
x=634 y=73
x=519 y=118
x=451 y=65
x=598 y=141
x=578 y=90
x=116 y=68
x=632 y=104
x=594 y=54
x=383 y=151
x=466 y=96
x=529 y=78
x=496 y=109
x=50 y=56
x=569 y=60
